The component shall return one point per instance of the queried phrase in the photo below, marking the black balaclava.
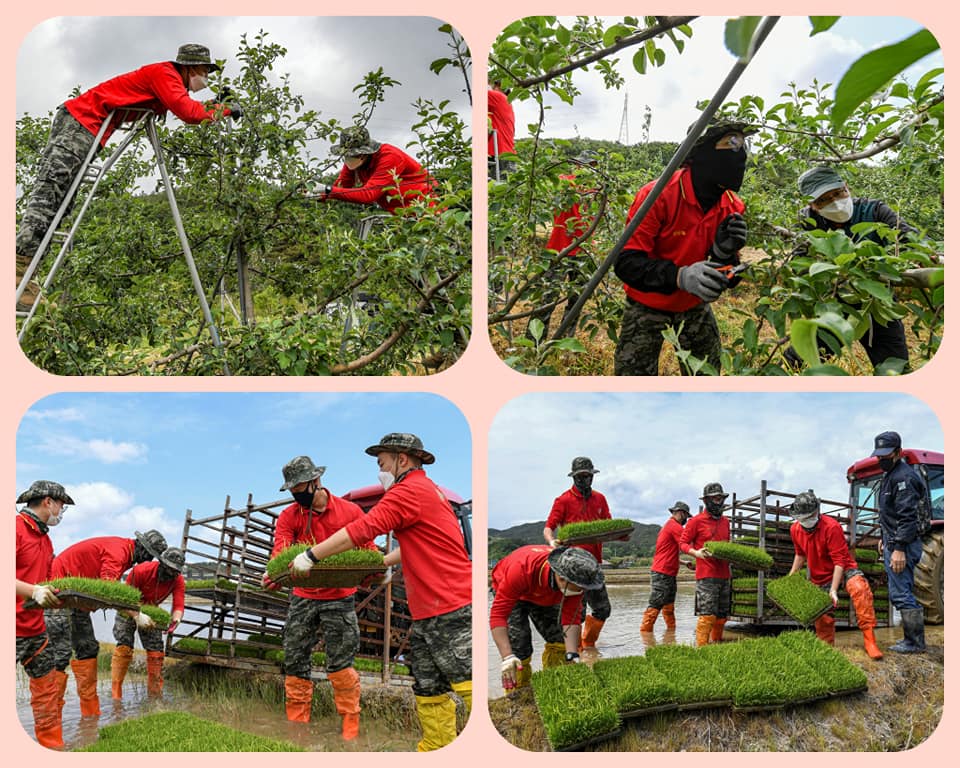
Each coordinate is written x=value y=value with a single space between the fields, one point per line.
x=888 y=462
x=714 y=508
x=140 y=554
x=305 y=498
x=715 y=170
x=584 y=484
x=165 y=574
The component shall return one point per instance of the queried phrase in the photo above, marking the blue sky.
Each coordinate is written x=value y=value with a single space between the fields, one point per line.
x=672 y=91
x=136 y=461
x=655 y=448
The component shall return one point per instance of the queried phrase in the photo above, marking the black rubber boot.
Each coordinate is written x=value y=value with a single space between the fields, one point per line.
x=911 y=619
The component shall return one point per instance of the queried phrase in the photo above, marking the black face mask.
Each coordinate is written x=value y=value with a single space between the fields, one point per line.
x=304 y=498
x=583 y=483
x=165 y=574
x=715 y=508
x=140 y=554
x=715 y=170
x=887 y=463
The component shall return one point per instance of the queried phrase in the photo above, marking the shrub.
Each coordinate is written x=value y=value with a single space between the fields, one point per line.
x=357 y=558
x=593 y=528
x=110 y=591
x=634 y=683
x=754 y=558
x=799 y=598
x=573 y=705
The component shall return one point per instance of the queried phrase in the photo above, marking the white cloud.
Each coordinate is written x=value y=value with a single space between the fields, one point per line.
x=54 y=414
x=106 y=451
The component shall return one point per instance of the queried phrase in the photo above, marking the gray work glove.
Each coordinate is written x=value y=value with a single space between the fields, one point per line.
x=730 y=238
x=702 y=281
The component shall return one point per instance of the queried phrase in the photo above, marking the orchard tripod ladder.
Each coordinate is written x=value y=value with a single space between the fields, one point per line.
x=93 y=173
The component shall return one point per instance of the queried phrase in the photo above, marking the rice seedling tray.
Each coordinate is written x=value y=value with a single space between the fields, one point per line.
x=595 y=532
x=85 y=602
x=581 y=745
x=346 y=569
x=801 y=600
x=93 y=594
x=575 y=708
x=743 y=556
x=646 y=711
x=160 y=617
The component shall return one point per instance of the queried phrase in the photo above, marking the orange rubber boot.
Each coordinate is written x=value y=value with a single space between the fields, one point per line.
x=346 y=698
x=862 y=599
x=704 y=627
x=85 y=673
x=716 y=633
x=826 y=628
x=45 y=702
x=119 y=663
x=590 y=633
x=669 y=616
x=299 y=695
x=154 y=673
x=649 y=619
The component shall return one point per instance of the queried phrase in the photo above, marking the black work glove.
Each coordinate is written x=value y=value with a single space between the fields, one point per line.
x=702 y=280
x=730 y=238
x=235 y=112
x=225 y=94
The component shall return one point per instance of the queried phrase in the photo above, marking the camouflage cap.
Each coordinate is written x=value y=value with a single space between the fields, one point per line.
x=173 y=558
x=819 y=181
x=195 y=55
x=300 y=470
x=717 y=129
x=153 y=542
x=713 y=489
x=682 y=506
x=41 y=488
x=577 y=566
x=402 y=442
x=588 y=157
x=805 y=505
x=581 y=464
x=356 y=141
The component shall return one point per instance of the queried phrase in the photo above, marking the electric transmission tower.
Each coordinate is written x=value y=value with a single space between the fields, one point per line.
x=624 y=137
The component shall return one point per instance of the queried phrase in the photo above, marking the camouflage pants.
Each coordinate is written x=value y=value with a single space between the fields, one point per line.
x=36 y=655
x=712 y=598
x=441 y=651
x=546 y=620
x=563 y=285
x=60 y=161
x=70 y=631
x=663 y=590
x=307 y=620
x=598 y=602
x=641 y=337
x=124 y=629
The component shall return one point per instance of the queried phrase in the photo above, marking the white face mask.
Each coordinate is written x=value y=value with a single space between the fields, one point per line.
x=810 y=523
x=387 y=479
x=198 y=82
x=839 y=210
x=55 y=519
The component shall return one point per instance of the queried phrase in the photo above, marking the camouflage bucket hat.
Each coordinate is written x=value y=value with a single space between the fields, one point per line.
x=195 y=55
x=713 y=489
x=153 y=542
x=682 y=506
x=356 y=141
x=173 y=558
x=577 y=566
x=805 y=505
x=42 y=488
x=300 y=470
x=581 y=464
x=717 y=129
x=402 y=442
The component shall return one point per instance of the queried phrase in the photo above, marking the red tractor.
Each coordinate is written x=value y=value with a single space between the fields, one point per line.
x=864 y=478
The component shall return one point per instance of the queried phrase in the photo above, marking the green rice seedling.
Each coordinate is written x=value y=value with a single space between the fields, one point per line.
x=160 y=617
x=573 y=705
x=109 y=591
x=634 y=683
x=839 y=674
x=694 y=677
x=754 y=558
x=865 y=555
x=216 y=648
x=746 y=584
x=750 y=684
x=593 y=528
x=356 y=558
x=874 y=569
x=804 y=601
x=799 y=680
x=181 y=732
x=204 y=584
x=748 y=540
x=744 y=609
x=260 y=637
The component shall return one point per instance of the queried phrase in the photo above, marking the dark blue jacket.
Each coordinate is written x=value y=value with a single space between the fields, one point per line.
x=901 y=492
x=865 y=209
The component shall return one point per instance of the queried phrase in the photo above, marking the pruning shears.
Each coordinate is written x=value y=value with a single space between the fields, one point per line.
x=729 y=271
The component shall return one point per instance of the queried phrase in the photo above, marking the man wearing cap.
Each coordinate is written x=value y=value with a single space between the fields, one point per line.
x=713 y=597
x=900 y=499
x=819 y=541
x=580 y=504
x=664 y=569
x=161 y=87
x=670 y=265
x=45 y=501
x=436 y=572
x=157 y=580
x=71 y=630
x=831 y=207
x=543 y=586
x=328 y=611
x=500 y=131
x=375 y=173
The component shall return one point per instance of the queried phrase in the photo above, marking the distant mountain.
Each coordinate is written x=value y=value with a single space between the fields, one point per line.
x=502 y=542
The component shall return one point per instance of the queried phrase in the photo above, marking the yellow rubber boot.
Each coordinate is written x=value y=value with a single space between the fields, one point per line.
x=119 y=663
x=464 y=690
x=85 y=673
x=704 y=628
x=590 y=632
x=438 y=721
x=650 y=618
x=554 y=654
x=525 y=673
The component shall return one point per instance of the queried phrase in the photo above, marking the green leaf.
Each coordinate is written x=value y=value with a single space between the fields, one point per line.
x=437 y=65
x=535 y=328
x=569 y=345
x=563 y=35
x=871 y=71
x=822 y=266
x=822 y=24
x=803 y=337
x=615 y=32
x=738 y=34
x=876 y=289
x=640 y=61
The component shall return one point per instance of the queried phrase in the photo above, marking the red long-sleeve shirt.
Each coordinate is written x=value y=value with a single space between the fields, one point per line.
x=666 y=554
x=524 y=575
x=158 y=87
x=824 y=548
x=299 y=525
x=436 y=567
x=34 y=560
x=376 y=181
x=502 y=120
x=697 y=532
x=564 y=232
x=103 y=557
x=571 y=507
x=154 y=591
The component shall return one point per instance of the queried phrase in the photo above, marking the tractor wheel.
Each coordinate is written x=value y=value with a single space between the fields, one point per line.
x=928 y=578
